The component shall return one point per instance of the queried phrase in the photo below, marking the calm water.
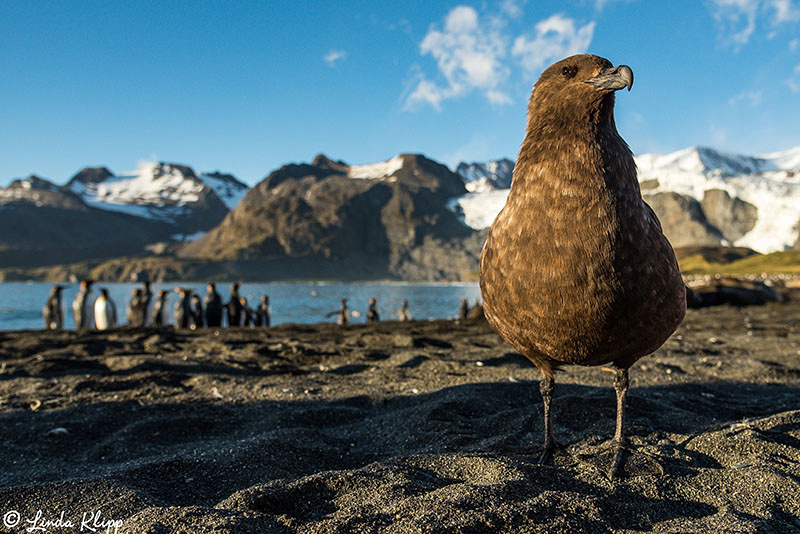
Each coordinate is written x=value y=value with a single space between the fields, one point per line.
x=21 y=302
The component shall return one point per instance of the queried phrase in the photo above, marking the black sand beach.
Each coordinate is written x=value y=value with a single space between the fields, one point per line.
x=396 y=427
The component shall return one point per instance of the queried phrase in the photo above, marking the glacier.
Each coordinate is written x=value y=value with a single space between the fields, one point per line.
x=770 y=182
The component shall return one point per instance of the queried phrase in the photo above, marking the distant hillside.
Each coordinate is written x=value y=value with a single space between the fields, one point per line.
x=99 y=215
x=44 y=224
x=786 y=262
x=390 y=216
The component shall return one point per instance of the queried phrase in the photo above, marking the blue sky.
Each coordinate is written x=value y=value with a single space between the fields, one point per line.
x=245 y=87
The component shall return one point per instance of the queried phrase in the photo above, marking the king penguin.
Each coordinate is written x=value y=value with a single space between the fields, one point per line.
x=79 y=306
x=53 y=312
x=105 y=312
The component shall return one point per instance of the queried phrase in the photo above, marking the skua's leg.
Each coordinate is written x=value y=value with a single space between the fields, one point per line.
x=620 y=441
x=546 y=387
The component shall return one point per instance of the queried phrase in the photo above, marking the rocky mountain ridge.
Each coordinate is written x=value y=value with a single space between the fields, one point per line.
x=97 y=214
x=166 y=192
x=486 y=176
x=45 y=224
x=703 y=197
x=408 y=217
x=391 y=216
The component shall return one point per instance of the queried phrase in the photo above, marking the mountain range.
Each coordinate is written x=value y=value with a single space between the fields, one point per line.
x=405 y=218
x=98 y=215
x=702 y=196
x=386 y=220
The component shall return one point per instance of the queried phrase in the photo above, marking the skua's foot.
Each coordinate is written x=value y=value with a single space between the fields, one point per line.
x=623 y=461
x=547 y=453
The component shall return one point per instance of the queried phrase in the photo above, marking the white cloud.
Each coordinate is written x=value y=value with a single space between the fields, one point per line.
x=512 y=8
x=751 y=98
x=794 y=45
x=473 y=53
x=554 y=38
x=785 y=11
x=468 y=54
x=427 y=92
x=738 y=19
x=334 y=56
x=465 y=53
x=498 y=97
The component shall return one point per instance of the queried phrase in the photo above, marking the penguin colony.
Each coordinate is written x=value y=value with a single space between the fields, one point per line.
x=189 y=311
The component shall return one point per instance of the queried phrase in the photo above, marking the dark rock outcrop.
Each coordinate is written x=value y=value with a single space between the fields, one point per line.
x=733 y=291
x=395 y=219
x=797 y=243
x=90 y=175
x=732 y=217
x=683 y=220
x=719 y=219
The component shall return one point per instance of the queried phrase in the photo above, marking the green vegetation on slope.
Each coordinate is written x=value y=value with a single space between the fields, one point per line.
x=786 y=262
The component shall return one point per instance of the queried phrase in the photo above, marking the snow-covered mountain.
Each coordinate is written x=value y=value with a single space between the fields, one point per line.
x=376 y=171
x=770 y=183
x=39 y=192
x=99 y=215
x=488 y=176
x=160 y=191
x=731 y=199
x=226 y=186
x=704 y=160
x=46 y=224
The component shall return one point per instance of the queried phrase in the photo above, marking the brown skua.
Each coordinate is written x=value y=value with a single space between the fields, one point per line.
x=576 y=269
